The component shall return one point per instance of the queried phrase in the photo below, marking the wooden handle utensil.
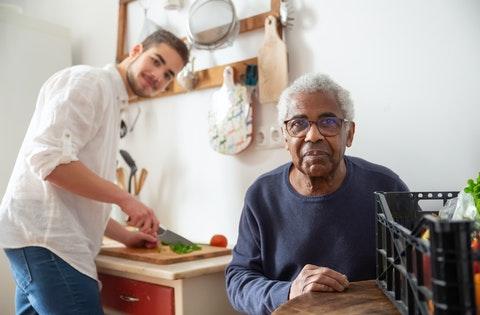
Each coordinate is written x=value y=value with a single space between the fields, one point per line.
x=141 y=181
x=120 y=174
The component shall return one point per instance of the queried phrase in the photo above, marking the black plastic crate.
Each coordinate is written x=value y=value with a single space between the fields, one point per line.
x=417 y=275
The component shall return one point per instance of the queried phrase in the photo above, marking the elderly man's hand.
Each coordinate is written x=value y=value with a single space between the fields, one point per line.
x=314 y=278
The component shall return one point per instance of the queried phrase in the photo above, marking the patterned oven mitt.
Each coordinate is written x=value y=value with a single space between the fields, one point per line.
x=230 y=117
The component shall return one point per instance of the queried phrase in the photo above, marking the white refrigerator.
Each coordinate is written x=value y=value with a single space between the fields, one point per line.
x=31 y=50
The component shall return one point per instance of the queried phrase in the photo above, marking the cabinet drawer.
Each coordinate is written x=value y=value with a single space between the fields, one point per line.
x=136 y=297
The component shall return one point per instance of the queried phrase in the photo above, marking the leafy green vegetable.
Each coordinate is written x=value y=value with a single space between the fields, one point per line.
x=473 y=189
x=183 y=248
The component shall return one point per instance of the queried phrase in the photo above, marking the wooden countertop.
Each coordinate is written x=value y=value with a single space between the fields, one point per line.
x=363 y=297
x=182 y=270
x=168 y=272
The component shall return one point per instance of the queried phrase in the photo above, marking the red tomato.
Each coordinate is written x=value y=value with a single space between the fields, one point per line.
x=218 y=240
x=475 y=244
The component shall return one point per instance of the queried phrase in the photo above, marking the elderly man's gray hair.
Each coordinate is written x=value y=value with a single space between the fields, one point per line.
x=311 y=83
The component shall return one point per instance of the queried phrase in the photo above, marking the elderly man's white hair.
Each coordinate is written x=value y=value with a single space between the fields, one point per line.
x=311 y=83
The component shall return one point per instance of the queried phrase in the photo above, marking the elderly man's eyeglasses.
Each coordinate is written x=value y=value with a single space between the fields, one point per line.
x=328 y=126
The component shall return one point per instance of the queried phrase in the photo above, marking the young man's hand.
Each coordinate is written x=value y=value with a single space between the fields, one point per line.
x=140 y=239
x=118 y=232
x=140 y=216
x=314 y=278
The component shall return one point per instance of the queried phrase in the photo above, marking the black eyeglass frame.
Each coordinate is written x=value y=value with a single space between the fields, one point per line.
x=341 y=122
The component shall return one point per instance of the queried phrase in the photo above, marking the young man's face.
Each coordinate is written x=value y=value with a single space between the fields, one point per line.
x=153 y=69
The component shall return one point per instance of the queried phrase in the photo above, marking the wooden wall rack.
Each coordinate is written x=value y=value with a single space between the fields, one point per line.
x=211 y=77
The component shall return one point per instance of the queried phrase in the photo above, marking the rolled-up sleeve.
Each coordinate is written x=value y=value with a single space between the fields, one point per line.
x=68 y=120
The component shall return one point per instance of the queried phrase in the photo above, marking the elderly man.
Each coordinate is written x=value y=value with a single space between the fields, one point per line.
x=308 y=225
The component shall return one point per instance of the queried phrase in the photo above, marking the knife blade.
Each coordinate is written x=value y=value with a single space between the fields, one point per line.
x=168 y=237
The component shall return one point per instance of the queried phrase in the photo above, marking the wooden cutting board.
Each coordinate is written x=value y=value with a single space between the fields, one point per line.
x=164 y=255
x=230 y=117
x=272 y=64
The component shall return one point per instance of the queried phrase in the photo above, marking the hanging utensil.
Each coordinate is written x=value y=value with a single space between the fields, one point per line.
x=173 y=4
x=286 y=12
x=120 y=174
x=272 y=64
x=149 y=26
x=125 y=121
x=141 y=181
x=212 y=24
x=187 y=77
x=133 y=168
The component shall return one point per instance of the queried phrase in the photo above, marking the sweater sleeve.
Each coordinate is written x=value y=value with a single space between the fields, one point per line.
x=248 y=289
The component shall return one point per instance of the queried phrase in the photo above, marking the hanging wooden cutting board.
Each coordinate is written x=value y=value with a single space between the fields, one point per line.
x=272 y=64
x=230 y=117
x=163 y=255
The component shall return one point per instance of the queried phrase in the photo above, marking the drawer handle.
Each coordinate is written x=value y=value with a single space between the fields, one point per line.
x=129 y=299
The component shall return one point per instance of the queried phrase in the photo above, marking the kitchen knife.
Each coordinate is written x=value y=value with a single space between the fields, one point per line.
x=168 y=237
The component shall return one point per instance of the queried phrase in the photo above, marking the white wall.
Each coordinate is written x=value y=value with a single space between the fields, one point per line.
x=412 y=68
x=93 y=25
x=26 y=62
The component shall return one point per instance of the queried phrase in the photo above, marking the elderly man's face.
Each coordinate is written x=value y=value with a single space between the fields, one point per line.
x=316 y=155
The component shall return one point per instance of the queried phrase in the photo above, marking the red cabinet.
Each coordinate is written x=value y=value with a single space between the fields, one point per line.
x=136 y=297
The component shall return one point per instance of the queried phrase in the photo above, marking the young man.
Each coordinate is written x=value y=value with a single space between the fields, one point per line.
x=57 y=204
x=308 y=225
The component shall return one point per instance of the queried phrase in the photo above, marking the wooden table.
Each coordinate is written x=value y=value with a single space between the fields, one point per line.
x=363 y=297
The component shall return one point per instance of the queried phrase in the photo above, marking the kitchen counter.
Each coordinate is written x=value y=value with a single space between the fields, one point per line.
x=167 y=272
x=199 y=285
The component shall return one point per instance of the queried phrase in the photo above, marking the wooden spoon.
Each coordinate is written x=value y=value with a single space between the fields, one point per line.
x=121 y=178
x=141 y=181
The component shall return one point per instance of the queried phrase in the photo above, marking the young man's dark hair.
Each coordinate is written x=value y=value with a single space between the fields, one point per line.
x=164 y=36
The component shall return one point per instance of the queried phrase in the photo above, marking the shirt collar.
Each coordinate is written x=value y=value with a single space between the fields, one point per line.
x=120 y=89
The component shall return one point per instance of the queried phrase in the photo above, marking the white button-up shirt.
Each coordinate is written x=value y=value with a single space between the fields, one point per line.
x=77 y=118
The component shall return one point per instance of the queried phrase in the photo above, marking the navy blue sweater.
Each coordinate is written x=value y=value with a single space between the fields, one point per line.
x=281 y=231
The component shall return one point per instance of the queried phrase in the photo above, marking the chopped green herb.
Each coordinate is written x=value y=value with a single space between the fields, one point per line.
x=183 y=248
